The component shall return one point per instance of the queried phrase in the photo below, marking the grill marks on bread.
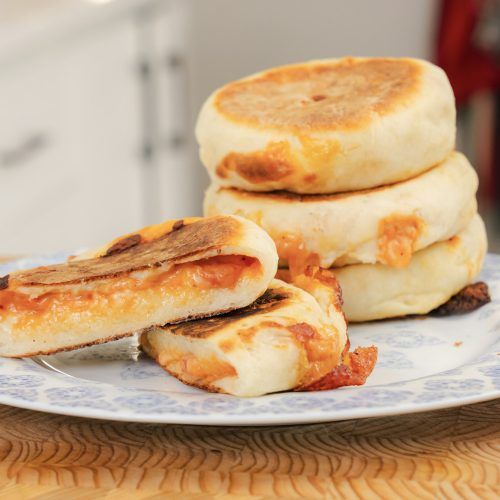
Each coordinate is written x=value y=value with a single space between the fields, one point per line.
x=188 y=241
x=124 y=244
x=271 y=300
x=178 y=225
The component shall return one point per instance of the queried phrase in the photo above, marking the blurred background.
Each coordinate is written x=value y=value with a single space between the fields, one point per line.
x=98 y=98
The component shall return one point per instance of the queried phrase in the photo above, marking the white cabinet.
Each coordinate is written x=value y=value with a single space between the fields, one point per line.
x=171 y=177
x=72 y=133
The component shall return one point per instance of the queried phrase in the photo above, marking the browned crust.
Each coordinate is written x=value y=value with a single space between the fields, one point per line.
x=356 y=368
x=4 y=282
x=282 y=196
x=466 y=300
x=346 y=94
x=289 y=197
x=272 y=164
x=47 y=352
x=190 y=240
x=177 y=225
x=124 y=244
x=271 y=300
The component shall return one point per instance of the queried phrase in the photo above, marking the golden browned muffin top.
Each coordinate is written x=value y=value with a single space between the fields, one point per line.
x=341 y=94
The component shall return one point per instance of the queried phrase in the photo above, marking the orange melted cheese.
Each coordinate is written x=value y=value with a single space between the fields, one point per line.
x=293 y=250
x=397 y=236
x=271 y=164
x=319 y=350
x=206 y=370
x=454 y=241
x=278 y=160
x=189 y=368
x=224 y=271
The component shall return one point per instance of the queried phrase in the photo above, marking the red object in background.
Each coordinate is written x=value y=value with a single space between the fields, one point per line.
x=468 y=49
x=469 y=67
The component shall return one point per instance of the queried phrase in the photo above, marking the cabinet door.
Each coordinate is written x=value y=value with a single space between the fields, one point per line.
x=70 y=173
x=171 y=176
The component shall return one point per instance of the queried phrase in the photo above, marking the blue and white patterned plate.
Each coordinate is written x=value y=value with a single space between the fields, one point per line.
x=424 y=364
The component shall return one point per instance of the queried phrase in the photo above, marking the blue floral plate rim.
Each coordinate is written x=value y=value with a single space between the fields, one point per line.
x=27 y=384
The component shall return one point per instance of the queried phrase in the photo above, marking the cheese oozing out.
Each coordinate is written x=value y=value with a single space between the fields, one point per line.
x=29 y=306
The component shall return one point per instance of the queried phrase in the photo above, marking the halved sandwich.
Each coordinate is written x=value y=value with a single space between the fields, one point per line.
x=161 y=274
x=285 y=340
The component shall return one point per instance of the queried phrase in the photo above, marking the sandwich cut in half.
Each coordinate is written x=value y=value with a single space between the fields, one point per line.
x=161 y=274
x=286 y=340
x=328 y=126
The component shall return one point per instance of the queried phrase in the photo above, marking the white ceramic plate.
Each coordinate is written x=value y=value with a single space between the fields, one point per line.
x=424 y=364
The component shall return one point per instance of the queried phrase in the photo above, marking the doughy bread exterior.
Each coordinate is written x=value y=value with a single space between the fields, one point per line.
x=328 y=126
x=385 y=225
x=131 y=284
x=283 y=340
x=375 y=291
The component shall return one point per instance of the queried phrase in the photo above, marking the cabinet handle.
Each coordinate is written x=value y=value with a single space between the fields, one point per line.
x=24 y=151
x=174 y=61
x=175 y=64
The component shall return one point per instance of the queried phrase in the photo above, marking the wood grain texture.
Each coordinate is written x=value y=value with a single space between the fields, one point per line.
x=451 y=453
x=447 y=454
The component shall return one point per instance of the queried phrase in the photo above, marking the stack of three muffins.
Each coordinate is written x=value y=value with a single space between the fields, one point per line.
x=350 y=166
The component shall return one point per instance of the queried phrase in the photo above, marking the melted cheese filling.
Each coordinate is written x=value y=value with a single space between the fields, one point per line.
x=200 y=371
x=293 y=250
x=186 y=279
x=320 y=352
x=397 y=236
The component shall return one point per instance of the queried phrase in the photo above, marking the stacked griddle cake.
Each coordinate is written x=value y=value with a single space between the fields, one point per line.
x=349 y=165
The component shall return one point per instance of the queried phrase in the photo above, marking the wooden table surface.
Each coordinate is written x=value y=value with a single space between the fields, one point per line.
x=453 y=453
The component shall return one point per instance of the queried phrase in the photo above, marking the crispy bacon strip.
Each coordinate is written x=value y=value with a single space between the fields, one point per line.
x=468 y=299
x=354 y=370
x=4 y=282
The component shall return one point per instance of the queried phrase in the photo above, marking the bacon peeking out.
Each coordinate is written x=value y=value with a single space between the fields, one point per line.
x=468 y=299
x=354 y=370
x=4 y=282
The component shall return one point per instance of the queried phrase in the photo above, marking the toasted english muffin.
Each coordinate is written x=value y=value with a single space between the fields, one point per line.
x=385 y=225
x=435 y=274
x=161 y=274
x=328 y=126
x=284 y=340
